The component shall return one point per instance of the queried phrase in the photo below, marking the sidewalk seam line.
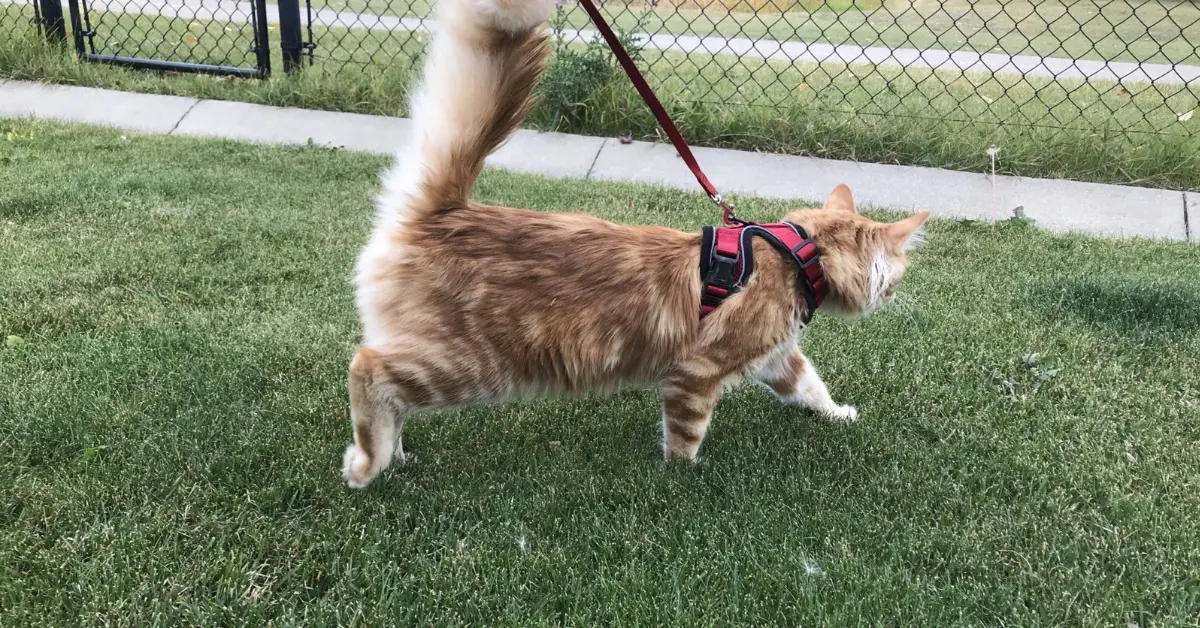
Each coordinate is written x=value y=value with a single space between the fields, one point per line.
x=1187 y=227
x=185 y=114
x=595 y=158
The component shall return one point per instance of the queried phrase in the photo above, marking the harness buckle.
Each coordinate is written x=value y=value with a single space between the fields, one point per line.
x=720 y=271
x=796 y=253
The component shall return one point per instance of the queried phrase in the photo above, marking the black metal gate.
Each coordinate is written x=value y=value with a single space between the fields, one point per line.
x=207 y=36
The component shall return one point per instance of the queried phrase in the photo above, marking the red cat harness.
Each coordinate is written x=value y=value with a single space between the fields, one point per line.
x=727 y=261
x=726 y=257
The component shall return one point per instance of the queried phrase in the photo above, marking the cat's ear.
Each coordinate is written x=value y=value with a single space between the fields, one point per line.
x=902 y=233
x=841 y=198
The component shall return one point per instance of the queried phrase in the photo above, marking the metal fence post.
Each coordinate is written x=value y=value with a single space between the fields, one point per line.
x=291 y=41
x=52 y=20
x=262 y=41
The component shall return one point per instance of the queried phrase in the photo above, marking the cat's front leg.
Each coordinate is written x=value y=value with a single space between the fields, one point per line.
x=795 y=380
x=688 y=401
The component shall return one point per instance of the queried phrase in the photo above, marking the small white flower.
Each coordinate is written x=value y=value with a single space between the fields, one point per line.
x=811 y=568
x=522 y=544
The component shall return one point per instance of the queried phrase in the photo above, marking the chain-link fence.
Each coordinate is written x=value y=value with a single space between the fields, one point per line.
x=19 y=20
x=215 y=36
x=1130 y=66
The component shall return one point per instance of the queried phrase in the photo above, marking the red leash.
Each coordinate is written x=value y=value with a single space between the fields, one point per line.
x=660 y=113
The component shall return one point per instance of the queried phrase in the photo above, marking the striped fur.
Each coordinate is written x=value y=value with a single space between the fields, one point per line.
x=463 y=303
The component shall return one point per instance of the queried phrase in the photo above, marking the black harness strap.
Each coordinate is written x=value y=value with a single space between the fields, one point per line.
x=727 y=262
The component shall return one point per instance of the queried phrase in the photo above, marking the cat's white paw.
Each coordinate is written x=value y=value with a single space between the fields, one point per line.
x=356 y=467
x=844 y=414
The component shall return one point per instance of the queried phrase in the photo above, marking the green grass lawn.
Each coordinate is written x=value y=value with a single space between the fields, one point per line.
x=172 y=411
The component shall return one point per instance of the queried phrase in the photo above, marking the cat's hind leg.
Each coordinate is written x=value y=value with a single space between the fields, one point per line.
x=379 y=400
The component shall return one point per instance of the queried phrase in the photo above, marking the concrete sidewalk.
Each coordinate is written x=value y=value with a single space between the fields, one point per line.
x=1094 y=208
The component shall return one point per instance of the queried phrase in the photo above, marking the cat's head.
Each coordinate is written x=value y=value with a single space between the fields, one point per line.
x=864 y=261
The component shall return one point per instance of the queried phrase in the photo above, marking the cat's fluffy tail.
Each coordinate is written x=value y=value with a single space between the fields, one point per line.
x=483 y=63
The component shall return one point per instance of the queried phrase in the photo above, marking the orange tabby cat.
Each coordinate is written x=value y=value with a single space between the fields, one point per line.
x=465 y=303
